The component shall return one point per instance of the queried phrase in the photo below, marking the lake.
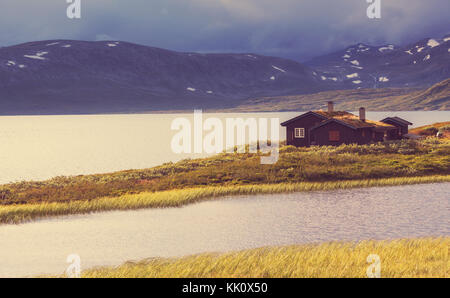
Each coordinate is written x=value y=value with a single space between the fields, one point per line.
x=42 y=147
x=225 y=225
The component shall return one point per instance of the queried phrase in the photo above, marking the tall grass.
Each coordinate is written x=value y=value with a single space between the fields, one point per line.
x=399 y=259
x=12 y=214
x=316 y=164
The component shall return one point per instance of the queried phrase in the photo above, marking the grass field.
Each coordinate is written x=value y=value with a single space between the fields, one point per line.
x=14 y=214
x=399 y=259
x=188 y=181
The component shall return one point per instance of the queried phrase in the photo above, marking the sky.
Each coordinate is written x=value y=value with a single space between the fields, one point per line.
x=295 y=29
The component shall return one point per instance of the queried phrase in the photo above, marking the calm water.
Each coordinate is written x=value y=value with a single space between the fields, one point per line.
x=41 y=147
x=225 y=225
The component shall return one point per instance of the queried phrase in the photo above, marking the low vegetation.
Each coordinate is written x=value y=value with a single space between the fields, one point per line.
x=428 y=157
x=432 y=130
x=188 y=181
x=13 y=214
x=399 y=259
x=380 y=99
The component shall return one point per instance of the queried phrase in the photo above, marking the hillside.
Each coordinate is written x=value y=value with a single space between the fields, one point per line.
x=419 y=64
x=436 y=97
x=63 y=76
x=81 y=77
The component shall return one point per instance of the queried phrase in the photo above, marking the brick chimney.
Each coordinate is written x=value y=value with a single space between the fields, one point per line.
x=362 y=114
x=330 y=107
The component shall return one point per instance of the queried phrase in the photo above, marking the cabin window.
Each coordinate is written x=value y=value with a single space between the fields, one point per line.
x=334 y=135
x=299 y=133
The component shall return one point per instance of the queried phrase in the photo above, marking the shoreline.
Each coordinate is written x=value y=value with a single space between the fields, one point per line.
x=402 y=258
x=17 y=214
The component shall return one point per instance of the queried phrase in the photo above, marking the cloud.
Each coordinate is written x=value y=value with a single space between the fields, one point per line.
x=290 y=28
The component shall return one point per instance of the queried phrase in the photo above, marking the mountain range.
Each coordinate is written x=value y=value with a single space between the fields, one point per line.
x=81 y=77
x=420 y=64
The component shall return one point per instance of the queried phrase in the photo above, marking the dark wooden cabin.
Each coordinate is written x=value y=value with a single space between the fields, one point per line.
x=339 y=127
x=401 y=124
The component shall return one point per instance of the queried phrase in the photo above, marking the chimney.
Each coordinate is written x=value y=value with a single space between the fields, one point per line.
x=330 y=107
x=362 y=114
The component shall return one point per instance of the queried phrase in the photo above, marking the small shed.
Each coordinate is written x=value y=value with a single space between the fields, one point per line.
x=401 y=124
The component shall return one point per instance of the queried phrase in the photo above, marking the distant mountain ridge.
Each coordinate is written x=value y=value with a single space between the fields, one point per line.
x=420 y=64
x=436 y=97
x=81 y=77
x=109 y=77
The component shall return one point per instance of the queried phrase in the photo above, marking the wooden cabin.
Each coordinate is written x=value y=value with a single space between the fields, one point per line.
x=339 y=127
x=401 y=124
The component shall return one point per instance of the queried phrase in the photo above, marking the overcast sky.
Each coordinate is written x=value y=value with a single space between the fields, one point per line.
x=298 y=29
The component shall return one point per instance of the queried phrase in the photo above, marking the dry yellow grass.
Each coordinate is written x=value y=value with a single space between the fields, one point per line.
x=399 y=259
x=12 y=214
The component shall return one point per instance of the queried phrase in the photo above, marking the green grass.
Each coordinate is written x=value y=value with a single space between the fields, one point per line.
x=296 y=165
x=13 y=214
x=399 y=259
x=188 y=181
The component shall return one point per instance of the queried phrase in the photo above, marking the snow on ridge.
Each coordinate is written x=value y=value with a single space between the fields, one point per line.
x=383 y=79
x=409 y=52
x=52 y=44
x=191 y=89
x=433 y=43
x=113 y=44
x=346 y=56
x=357 y=82
x=427 y=57
x=323 y=78
x=37 y=56
x=355 y=62
x=209 y=92
x=272 y=78
x=21 y=66
x=419 y=49
x=66 y=46
x=277 y=68
x=353 y=75
x=388 y=48
x=11 y=63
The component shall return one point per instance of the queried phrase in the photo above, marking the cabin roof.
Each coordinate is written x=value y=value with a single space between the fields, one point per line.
x=286 y=123
x=345 y=118
x=397 y=120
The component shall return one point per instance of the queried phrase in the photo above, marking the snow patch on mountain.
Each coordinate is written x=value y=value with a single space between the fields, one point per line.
x=384 y=49
x=353 y=75
x=433 y=43
x=277 y=68
x=37 y=56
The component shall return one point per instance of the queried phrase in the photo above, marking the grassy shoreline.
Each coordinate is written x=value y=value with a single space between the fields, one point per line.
x=14 y=214
x=405 y=258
